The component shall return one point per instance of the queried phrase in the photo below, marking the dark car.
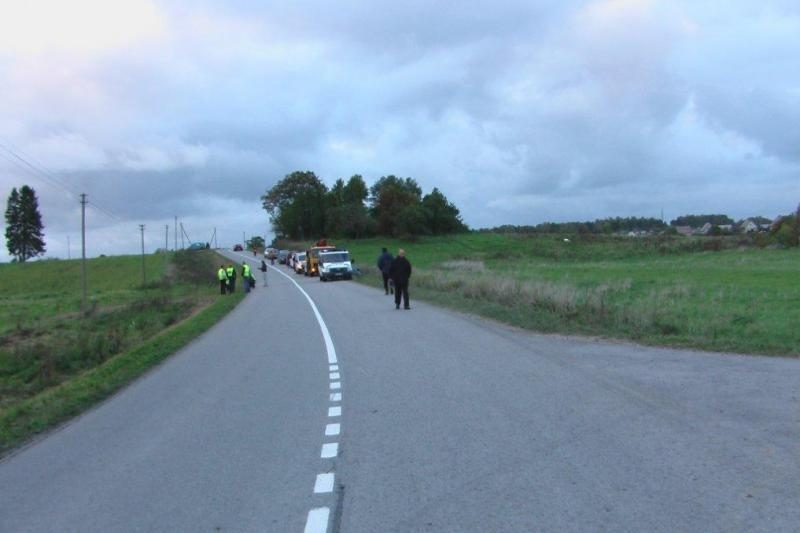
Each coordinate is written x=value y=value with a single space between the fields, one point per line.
x=237 y=248
x=282 y=255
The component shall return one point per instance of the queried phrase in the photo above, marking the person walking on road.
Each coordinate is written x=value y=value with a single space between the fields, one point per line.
x=400 y=272
x=264 y=271
x=246 y=277
x=222 y=275
x=231 y=272
x=384 y=264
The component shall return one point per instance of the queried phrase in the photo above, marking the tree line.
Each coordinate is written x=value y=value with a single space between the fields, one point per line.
x=603 y=225
x=302 y=207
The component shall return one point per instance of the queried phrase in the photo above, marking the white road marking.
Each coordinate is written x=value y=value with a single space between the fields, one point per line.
x=325 y=333
x=317 y=521
x=329 y=450
x=324 y=483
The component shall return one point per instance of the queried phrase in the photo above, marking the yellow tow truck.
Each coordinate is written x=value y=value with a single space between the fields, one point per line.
x=312 y=256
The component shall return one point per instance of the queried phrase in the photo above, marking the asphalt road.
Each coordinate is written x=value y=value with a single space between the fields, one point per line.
x=447 y=423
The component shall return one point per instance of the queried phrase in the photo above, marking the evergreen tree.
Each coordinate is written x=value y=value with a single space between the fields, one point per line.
x=24 y=237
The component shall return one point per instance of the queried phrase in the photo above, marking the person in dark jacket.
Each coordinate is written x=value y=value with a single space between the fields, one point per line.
x=384 y=263
x=400 y=271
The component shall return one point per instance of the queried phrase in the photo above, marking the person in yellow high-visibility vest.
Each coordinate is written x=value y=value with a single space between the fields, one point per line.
x=231 y=272
x=246 y=276
x=222 y=275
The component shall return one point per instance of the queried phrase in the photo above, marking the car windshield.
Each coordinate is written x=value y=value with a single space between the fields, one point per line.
x=301 y=257
x=335 y=257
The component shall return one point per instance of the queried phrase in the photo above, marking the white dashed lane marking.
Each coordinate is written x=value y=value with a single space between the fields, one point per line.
x=317 y=521
x=324 y=483
x=335 y=411
x=329 y=450
x=336 y=397
x=335 y=385
x=332 y=429
x=334 y=375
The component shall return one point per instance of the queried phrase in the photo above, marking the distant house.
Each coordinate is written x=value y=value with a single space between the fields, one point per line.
x=705 y=229
x=754 y=227
x=684 y=230
x=726 y=228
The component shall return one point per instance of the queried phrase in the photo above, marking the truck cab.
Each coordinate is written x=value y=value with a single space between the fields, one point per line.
x=335 y=264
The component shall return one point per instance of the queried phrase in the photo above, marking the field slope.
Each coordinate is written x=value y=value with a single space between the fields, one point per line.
x=56 y=361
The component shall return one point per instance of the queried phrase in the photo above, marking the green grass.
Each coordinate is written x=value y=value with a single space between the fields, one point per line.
x=56 y=361
x=712 y=294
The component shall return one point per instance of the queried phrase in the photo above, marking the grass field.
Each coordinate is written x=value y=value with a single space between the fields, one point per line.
x=56 y=360
x=712 y=294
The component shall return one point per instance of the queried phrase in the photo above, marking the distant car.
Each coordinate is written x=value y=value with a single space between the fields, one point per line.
x=237 y=248
x=282 y=255
x=271 y=253
x=197 y=246
x=300 y=262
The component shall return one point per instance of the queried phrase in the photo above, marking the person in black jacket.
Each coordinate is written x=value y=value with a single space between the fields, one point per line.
x=384 y=263
x=400 y=271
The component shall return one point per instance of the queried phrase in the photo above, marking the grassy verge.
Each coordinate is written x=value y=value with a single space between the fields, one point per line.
x=711 y=294
x=56 y=362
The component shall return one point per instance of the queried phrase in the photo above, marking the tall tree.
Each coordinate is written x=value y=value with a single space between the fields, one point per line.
x=24 y=237
x=389 y=196
x=441 y=216
x=296 y=205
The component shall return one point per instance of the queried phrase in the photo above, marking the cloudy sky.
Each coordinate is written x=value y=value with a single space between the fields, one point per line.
x=520 y=111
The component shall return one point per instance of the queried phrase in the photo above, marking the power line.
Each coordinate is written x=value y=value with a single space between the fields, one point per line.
x=38 y=170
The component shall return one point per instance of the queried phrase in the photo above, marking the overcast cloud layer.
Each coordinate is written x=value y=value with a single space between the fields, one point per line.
x=521 y=112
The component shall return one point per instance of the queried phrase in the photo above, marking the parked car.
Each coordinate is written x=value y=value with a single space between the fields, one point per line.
x=237 y=248
x=270 y=253
x=282 y=255
x=300 y=263
x=197 y=246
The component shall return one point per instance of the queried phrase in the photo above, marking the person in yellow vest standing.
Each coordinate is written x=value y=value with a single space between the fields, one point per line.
x=222 y=275
x=231 y=273
x=246 y=276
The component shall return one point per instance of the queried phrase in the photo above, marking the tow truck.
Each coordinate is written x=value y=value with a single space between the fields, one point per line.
x=312 y=256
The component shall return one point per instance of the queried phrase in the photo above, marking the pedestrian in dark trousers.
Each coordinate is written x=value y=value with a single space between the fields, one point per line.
x=264 y=271
x=400 y=271
x=246 y=277
x=384 y=264
x=231 y=279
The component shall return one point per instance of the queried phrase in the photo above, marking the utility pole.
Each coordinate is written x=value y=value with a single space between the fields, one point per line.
x=176 y=234
x=83 y=253
x=182 y=236
x=244 y=242
x=144 y=274
x=166 y=238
